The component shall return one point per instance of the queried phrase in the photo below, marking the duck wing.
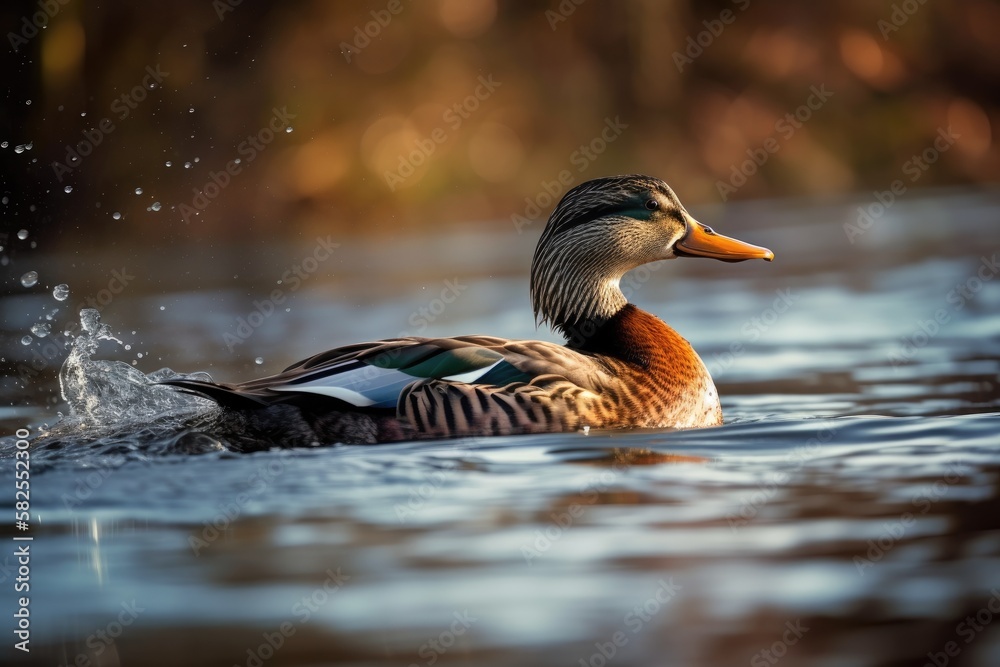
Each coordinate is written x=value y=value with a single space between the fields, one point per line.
x=379 y=374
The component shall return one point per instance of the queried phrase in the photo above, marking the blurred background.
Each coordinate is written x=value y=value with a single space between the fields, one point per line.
x=236 y=185
x=389 y=125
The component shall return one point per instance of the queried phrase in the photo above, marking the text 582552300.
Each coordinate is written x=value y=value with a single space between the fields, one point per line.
x=22 y=515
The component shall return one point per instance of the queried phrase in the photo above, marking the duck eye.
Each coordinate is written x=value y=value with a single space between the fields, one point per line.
x=708 y=230
x=652 y=204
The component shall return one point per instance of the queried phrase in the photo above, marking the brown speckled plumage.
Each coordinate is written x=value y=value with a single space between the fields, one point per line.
x=621 y=367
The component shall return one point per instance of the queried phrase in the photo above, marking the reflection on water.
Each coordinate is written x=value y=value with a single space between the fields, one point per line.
x=848 y=513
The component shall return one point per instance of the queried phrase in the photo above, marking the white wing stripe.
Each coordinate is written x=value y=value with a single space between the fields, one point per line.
x=472 y=376
x=370 y=385
x=347 y=395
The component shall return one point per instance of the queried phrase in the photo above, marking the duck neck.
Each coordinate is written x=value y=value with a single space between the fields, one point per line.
x=632 y=335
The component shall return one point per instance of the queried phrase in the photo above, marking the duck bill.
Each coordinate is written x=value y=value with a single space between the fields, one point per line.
x=702 y=241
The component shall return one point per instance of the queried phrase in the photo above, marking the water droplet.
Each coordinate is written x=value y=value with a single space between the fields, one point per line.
x=19 y=149
x=52 y=315
x=169 y=163
x=4 y=144
x=68 y=189
x=116 y=215
x=28 y=146
x=259 y=360
x=28 y=102
x=128 y=347
x=187 y=165
x=163 y=307
x=138 y=191
x=156 y=206
x=26 y=340
x=61 y=292
x=197 y=159
x=30 y=279
x=41 y=329
x=83 y=114
x=23 y=234
x=288 y=130
x=5 y=200
x=191 y=110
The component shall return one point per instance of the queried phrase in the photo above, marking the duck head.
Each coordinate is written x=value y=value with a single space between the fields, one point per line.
x=604 y=228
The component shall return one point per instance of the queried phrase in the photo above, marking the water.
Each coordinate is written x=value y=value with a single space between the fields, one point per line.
x=848 y=513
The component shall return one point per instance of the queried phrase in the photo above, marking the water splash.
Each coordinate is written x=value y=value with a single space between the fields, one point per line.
x=107 y=393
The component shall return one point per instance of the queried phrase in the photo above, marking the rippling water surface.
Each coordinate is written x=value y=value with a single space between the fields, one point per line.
x=848 y=513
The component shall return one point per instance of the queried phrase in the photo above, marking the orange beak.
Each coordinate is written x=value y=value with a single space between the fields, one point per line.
x=702 y=241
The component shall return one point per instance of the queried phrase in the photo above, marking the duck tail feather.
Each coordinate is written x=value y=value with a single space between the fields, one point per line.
x=226 y=397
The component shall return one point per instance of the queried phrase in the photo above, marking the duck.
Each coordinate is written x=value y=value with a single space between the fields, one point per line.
x=620 y=367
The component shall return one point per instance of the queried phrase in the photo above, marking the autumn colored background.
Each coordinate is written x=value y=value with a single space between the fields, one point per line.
x=470 y=111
